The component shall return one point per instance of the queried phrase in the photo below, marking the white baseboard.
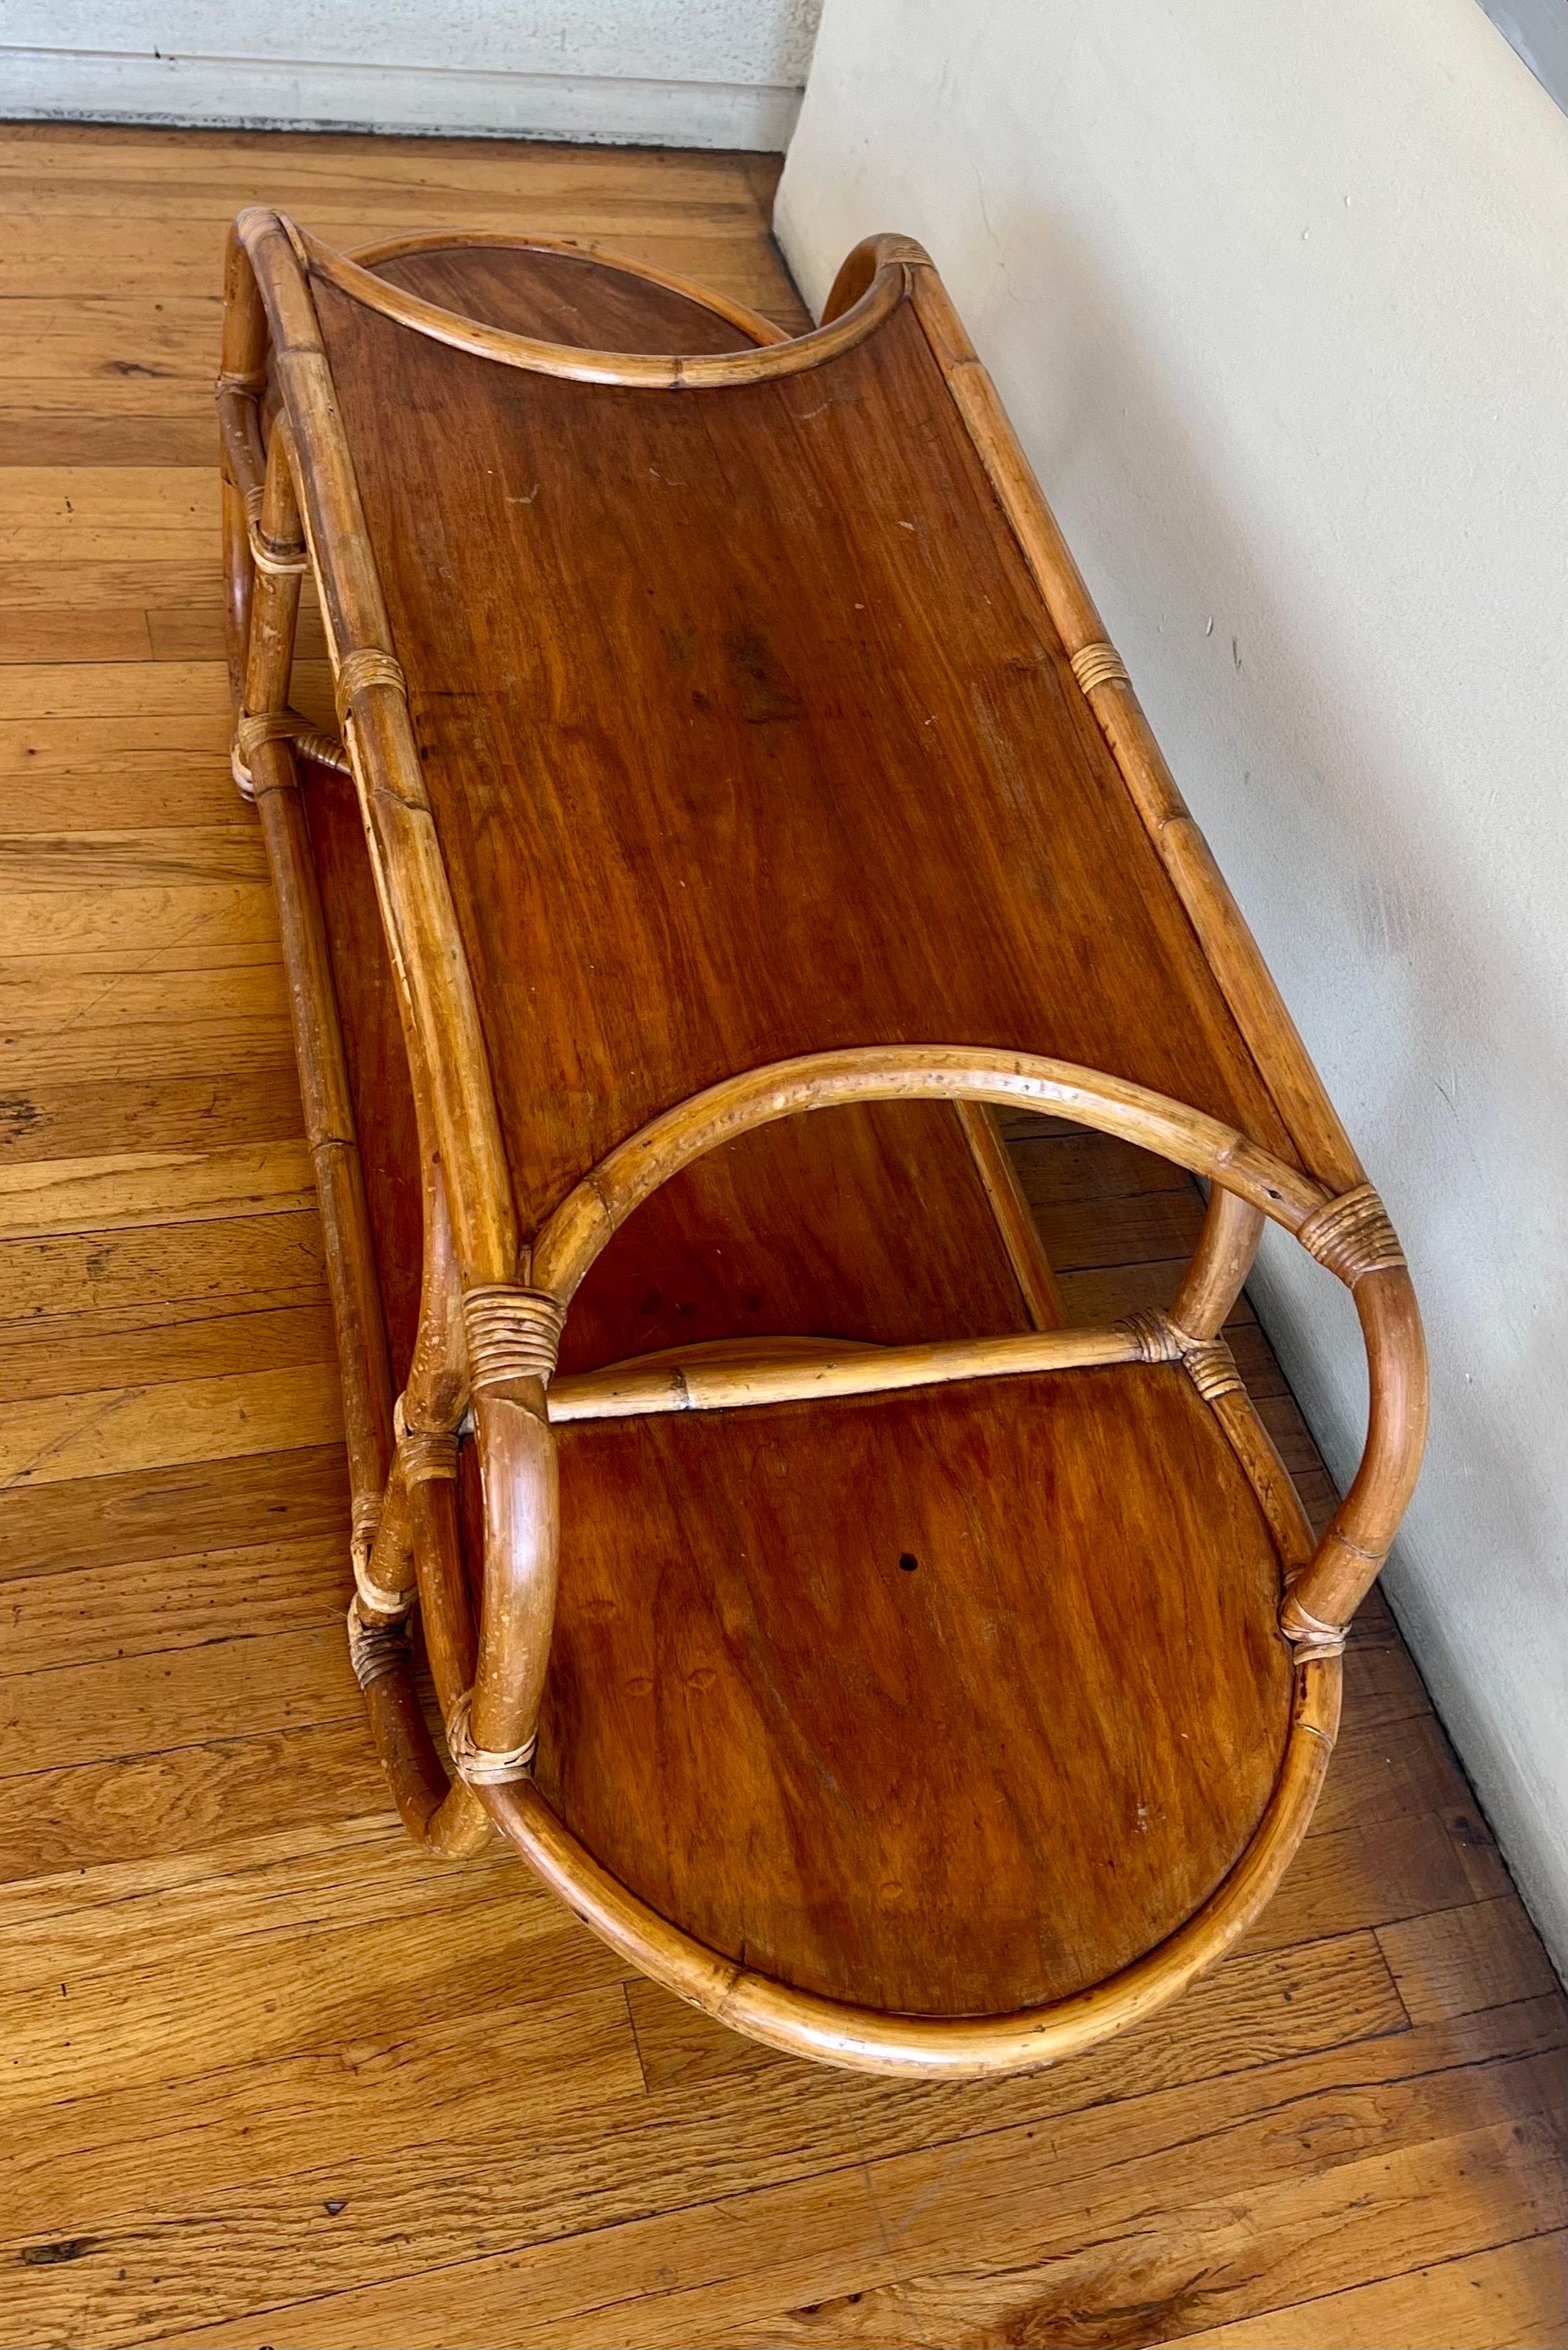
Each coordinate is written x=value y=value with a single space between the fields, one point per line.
x=318 y=94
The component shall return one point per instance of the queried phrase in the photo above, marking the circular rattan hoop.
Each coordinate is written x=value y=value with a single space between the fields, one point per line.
x=1350 y=1235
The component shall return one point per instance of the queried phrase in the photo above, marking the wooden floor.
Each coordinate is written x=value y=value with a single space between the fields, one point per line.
x=266 y=2078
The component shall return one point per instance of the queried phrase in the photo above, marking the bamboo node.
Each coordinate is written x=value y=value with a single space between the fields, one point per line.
x=1156 y=1336
x=1307 y=1634
x=369 y=665
x=1099 y=664
x=512 y=1334
x=1353 y=1236
x=484 y=1766
x=426 y=1454
x=249 y=386
x=374 y=1649
x=1211 y=1368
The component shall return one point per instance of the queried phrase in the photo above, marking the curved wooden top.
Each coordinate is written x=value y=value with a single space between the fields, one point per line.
x=806 y=1229
x=533 y=342
x=746 y=730
x=964 y=1700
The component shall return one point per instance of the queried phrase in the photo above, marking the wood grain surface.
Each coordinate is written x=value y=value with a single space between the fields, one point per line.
x=899 y=1747
x=831 y=678
x=423 y=2105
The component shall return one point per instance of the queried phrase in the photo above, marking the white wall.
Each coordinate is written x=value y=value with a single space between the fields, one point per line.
x=1275 y=297
x=694 y=73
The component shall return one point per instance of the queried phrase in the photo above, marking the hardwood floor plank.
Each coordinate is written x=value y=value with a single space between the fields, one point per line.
x=192 y=792
x=103 y=334
x=120 y=1431
x=124 y=1918
x=137 y=1188
x=133 y=688
x=87 y=920
x=146 y=1348
x=1375 y=1876
x=182 y=1697
x=121 y=584
x=55 y=1620
x=58 y=1120
x=196 y=1044
x=157 y=858
x=40 y=994
x=187 y=1800
x=1454 y=1961
x=1380 y=1772
x=498 y=2174
x=42 y=436
x=1333 y=1990
x=272 y=1259
x=353 y=1995
x=67 y=634
x=33 y=751
x=1018 y=2195
x=1205 y=2258
x=94 y=1523
x=1510 y=2298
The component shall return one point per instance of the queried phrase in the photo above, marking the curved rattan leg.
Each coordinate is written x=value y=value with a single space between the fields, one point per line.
x=441 y=1815
x=419 y=1525
x=1220 y=1262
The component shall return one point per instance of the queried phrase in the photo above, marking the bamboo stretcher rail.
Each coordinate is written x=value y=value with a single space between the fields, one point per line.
x=734 y=1381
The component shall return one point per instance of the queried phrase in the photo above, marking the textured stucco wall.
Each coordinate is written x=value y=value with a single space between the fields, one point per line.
x=692 y=72
x=1275 y=297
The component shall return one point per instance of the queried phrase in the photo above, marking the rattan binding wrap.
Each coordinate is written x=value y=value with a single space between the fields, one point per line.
x=1211 y=1368
x=376 y=1596
x=267 y=555
x=1099 y=664
x=358 y=672
x=278 y=726
x=1156 y=1336
x=484 y=1766
x=1307 y=1635
x=1353 y=1236
x=425 y=1455
x=374 y=1649
x=512 y=1334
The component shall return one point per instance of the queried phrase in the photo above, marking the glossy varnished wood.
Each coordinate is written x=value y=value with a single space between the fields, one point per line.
x=272 y=2078
x=880 y=1733
x=807 y=1228
x=844 y=783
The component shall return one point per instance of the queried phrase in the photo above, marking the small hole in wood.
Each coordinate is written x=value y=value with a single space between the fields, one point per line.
x=909 y=1562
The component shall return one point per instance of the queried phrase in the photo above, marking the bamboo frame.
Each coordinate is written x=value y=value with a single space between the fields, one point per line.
x=492 y=1306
